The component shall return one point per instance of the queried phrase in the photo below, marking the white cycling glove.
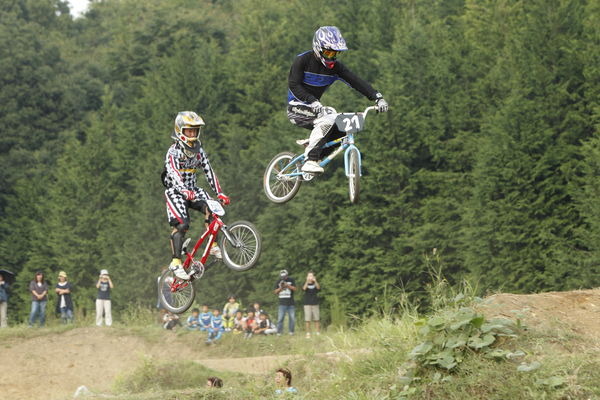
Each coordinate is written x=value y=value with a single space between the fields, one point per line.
x=382 y=105
x=316 y=106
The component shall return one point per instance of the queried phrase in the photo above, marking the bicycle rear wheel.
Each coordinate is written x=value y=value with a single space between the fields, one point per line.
x=244 y=252
x=175 y=294
x=353 y=176
x=278 y=186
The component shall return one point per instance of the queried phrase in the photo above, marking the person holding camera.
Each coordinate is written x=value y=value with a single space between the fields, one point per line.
x=285 y=288
x=311 y=303
x=103 y=304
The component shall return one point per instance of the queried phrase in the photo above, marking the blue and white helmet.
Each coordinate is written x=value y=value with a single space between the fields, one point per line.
x=328 y=38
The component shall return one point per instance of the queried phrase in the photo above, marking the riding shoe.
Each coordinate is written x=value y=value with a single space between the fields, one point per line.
x=216 y=251
x=313 y=167
x=178 y=270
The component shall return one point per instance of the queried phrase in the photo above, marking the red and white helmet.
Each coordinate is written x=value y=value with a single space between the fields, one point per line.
x=188 y=120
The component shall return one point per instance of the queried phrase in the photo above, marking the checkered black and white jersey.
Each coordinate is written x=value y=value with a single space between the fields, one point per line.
x=181 y=170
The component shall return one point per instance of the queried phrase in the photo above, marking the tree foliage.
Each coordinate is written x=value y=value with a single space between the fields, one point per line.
x=489 y=153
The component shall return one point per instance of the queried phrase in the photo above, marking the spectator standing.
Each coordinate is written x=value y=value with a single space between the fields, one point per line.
x=39 y=298
x=103 y=304
x=64 y=305
x=193 y=321
x=283 y=380
x=285 y=288
x=4 y=286
x=229 y=311
x=311 y=289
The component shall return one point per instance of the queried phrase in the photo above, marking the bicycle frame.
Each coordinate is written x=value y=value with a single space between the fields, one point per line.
x=346 y=144
x=211 y=233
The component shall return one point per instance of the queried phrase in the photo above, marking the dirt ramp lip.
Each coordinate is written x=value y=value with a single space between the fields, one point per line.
x=577 y=310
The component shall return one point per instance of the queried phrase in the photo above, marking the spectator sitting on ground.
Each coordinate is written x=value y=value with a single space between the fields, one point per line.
x=257 y=309
x=250 y=323
x=283 y=379
x=193 y=321
x=239 y=325
x=216 y=327
x=229 y=310
x=171 y=321
x=264 y=326
x=214 y=382
x=205 y=319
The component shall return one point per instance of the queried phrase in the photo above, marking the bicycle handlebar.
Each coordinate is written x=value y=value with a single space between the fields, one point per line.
x=369 y=109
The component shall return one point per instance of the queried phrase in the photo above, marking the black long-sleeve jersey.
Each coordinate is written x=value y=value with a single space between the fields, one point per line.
x=309 y=79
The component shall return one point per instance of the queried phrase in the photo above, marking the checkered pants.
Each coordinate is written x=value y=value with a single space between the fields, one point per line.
x=177 y=205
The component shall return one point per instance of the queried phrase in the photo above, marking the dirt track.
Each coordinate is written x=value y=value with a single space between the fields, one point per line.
x=53 y=366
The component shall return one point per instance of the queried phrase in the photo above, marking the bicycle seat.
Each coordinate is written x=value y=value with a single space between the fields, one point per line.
x=302 y=142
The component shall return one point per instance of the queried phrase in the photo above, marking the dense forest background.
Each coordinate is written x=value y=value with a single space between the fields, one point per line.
x=490 y=152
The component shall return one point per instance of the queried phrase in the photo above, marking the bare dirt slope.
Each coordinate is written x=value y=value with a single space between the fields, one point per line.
x=53 y=366
x=578 y=311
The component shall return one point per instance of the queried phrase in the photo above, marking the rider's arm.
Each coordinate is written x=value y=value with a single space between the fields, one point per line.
x=296 y=78
x=211 y=177
x=172 y=166
x=355 y=81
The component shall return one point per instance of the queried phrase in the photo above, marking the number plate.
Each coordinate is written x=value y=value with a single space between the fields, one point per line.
x=350 y=123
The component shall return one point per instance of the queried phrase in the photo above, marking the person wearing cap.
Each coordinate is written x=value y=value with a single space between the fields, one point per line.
x=103 y=306
x=39 y=298
x=64 y=305
x=284 y=289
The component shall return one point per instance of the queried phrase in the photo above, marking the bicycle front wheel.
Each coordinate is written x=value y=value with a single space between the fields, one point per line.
x=353 y=176
x=175 y=294
x=278 y=185
x=243 y=251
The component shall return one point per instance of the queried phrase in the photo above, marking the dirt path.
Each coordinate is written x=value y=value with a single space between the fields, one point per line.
x=53 y=366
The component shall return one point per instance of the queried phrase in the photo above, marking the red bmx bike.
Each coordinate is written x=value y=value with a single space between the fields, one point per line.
x=240 y=246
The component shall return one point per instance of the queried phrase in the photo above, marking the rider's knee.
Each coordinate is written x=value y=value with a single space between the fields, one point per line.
x=181 y=228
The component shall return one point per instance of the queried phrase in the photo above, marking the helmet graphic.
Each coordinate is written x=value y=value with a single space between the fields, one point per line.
x=187 y=131
x=327 y=42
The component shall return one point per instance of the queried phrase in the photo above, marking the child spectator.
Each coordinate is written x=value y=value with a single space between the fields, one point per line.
x=205 y=319
x=283 y=379
x=193 y=321
x=229 y=311
x=239 y=325
x=264 y=326
x=216 y=327
x=250 y=324
x=214 y=382
x=171 y=321
x=257 y=309
x=64 y=305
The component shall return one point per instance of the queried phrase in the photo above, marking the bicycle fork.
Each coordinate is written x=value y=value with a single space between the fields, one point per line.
x=349 y=149
x=235 y=243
